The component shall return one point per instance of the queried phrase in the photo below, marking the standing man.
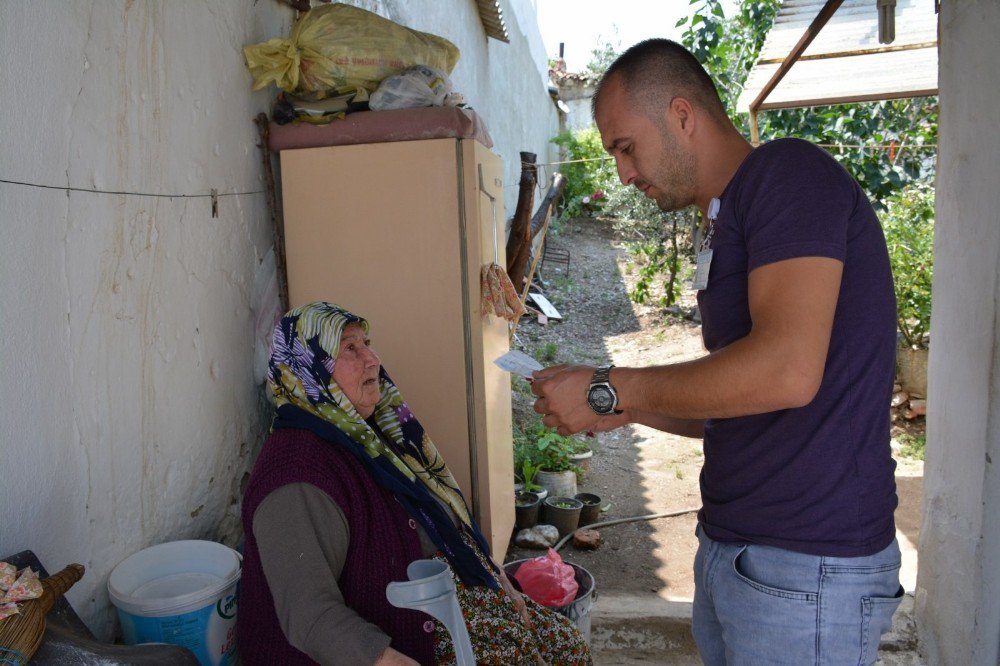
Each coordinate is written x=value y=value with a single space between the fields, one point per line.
x=797 y=560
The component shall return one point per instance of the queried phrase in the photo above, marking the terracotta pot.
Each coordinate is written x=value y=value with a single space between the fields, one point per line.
x=911 y=368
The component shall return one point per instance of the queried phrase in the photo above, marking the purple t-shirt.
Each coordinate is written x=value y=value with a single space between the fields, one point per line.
x=817 y=479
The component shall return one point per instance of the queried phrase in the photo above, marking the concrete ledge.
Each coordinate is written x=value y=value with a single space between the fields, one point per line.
x=628 y=629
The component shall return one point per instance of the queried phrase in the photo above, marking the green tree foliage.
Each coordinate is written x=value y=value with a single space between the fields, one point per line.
x=909 y=229
x=588 y=172
x=887 y=146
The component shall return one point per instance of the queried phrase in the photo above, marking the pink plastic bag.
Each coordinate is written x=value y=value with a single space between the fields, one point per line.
x=548 y=580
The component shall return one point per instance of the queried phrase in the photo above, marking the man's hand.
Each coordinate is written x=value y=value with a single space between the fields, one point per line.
x=562 y=400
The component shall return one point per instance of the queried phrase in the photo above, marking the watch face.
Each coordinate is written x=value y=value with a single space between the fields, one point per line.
x=601 y=399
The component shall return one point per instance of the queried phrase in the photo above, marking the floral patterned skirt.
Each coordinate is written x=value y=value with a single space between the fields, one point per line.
x=499 y=636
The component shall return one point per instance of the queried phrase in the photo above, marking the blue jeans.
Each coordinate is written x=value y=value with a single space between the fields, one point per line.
x=762 y=605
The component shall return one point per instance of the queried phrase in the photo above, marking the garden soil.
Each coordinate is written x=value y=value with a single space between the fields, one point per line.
x=639 y=471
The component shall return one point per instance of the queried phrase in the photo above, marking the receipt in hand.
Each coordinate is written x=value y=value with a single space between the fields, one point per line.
x=519 y=363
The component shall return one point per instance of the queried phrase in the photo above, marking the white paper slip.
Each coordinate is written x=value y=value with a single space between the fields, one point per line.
x=518 y=363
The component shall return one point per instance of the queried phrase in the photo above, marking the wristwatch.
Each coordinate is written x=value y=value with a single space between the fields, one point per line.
x=602 y=396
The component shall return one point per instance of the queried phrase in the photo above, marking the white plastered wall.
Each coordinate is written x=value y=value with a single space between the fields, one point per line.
x=958 y=583
x=507 y=84
x=130 y=410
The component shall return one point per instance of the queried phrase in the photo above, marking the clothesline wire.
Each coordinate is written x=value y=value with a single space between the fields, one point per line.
x=872 y=146
x=68 y=188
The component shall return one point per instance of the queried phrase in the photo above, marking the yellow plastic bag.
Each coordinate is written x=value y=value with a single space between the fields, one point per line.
x=333 y=46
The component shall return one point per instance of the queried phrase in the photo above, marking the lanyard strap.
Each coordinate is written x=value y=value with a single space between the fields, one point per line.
x=713 y=212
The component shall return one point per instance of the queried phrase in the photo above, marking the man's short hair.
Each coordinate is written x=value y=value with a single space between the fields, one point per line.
x=655 y=71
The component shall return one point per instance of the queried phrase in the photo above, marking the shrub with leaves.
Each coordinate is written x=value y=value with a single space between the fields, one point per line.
x=583 y=178
x=542 y=448
x=908 y=222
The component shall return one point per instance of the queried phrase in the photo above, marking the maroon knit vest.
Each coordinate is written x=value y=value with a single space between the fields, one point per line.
x=382 y=545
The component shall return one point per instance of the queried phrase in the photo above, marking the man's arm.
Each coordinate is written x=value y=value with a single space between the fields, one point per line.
x=778 y=365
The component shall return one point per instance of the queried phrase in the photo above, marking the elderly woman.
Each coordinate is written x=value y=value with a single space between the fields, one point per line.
x=346 y=492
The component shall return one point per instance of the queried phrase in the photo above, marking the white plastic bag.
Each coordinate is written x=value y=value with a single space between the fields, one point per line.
x=416 y=86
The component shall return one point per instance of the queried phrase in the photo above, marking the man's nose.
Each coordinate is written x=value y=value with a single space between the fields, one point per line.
x=626 y=174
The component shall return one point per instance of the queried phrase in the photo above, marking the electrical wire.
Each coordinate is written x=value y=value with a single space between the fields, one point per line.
x=69 y=188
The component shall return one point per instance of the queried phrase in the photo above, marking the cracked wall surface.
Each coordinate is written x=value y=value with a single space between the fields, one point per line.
x=131 y=406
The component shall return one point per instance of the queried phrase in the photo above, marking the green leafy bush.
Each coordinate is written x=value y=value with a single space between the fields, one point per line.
x=909 y=234
x=586 y=178
x=539 y=448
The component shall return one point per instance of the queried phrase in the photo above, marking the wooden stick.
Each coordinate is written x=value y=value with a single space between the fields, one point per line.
x=519 y=241
x=531 y=271
x=277 y=220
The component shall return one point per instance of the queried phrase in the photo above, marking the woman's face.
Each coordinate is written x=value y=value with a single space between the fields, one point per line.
x=356 y=370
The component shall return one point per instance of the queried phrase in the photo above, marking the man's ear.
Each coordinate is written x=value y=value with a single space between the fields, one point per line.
x=683 y=115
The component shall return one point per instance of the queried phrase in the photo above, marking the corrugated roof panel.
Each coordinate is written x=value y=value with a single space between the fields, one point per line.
x=846 y=62
x=492 y=18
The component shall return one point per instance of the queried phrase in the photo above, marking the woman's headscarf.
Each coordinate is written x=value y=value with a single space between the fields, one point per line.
x=304 y=351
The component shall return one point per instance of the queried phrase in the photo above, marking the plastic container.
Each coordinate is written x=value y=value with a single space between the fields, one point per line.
x=563 y=512
x=558 y=484
x=183 y=593
x=526 y=506
x=579 y=609
x=591 y=511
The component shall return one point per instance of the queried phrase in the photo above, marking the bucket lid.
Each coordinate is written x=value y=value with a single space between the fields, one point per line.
x=219 y=566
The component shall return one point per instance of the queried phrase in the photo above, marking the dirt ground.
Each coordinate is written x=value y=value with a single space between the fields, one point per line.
x=639 y=471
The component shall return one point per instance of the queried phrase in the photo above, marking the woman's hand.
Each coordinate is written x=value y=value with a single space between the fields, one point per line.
x=391 y=657
x=517 y=598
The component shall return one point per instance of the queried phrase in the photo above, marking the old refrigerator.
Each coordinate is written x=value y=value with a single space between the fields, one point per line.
x=397 y=233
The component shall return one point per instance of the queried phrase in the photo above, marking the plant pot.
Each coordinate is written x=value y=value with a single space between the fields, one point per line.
x=526 y=507
x=563 y=513
x=541 y=492
x=558 y=484
x=582 y=459
x=591 y=511
x=911 y=368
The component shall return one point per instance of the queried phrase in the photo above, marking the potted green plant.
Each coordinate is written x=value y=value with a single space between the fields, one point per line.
x=563 y=513
x=556 y=472
x=526 y=505
x=542 y=457
x=580 y=455
x=591 y=510
x=529 y=471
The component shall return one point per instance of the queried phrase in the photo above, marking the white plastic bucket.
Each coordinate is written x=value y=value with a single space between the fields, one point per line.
x=180 y=592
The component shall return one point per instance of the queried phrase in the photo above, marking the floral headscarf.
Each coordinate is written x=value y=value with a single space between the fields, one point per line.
x=304 y=351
